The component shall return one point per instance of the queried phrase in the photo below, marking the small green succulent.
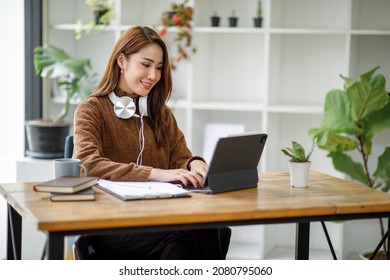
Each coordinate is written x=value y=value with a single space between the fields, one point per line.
x=297 y=152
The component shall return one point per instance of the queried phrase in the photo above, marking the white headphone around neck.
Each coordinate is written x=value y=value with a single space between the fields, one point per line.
x=124 y=107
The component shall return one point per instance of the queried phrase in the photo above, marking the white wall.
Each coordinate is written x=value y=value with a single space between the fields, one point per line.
x=12 y=98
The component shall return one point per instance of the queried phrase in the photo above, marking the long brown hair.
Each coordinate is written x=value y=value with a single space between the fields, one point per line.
x=132 y=41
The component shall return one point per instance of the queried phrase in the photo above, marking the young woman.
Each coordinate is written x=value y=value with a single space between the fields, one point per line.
x=125 y=132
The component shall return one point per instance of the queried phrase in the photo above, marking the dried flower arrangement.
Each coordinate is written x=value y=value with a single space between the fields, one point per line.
x=180 y=16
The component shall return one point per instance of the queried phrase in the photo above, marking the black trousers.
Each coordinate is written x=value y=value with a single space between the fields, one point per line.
x=204 y=244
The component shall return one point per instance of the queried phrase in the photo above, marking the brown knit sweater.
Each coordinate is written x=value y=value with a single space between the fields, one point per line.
x=109 y=146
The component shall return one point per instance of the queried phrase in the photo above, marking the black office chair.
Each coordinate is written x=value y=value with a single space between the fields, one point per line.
x=68 y=148
x=83 y=251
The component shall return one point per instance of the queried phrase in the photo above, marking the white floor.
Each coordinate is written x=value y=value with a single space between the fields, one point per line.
x=280 y=253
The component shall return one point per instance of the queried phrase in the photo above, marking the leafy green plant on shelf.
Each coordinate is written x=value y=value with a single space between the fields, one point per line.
x=103 y=13
x=74 y=75
x=353 y=116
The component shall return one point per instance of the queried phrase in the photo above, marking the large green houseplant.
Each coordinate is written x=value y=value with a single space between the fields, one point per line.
x=77 y=80
x=353 y=116
x=74 y=75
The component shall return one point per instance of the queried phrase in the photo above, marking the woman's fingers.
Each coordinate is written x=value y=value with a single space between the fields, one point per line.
x=188 y=177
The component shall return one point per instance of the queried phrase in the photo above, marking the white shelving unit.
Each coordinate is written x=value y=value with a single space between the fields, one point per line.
x=271 y=79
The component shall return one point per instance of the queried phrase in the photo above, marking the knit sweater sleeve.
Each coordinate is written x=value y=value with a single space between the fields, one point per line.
x=89 y=131
x=179 y=153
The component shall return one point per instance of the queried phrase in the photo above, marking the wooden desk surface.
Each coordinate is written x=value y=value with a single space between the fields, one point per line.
x=273 y=199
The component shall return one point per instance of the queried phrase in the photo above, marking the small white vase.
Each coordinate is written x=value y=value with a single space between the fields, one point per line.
x=299 y=173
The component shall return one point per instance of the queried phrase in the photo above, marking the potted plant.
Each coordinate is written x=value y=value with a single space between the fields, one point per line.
x=353 y=116
x=299 y=164
x=233 y=19
x=179 y=16
x=215 y=19
x=75 y=77
x=103 y=13
x=259 y=15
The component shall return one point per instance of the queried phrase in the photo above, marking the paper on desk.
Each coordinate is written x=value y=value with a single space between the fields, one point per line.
x=142 y=190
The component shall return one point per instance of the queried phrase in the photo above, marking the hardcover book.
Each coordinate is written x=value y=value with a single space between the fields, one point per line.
x=88 y=194
x=66 y=184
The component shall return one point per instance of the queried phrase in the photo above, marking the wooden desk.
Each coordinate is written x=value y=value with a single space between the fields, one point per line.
x=274 y=201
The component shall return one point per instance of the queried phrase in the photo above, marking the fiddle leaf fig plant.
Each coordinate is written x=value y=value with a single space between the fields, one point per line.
x=297 y=152
x=353 y=116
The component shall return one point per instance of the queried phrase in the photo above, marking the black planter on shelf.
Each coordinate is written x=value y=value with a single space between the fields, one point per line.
x=233 y=21
x=215 y=21
x=46 y=139
x=257 y=22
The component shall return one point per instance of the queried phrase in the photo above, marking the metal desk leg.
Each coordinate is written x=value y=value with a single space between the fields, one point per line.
x=329 y=241
x=388 y=239
x=383 y=240
x=55 y=246
x=302 y=241
x=14 y=234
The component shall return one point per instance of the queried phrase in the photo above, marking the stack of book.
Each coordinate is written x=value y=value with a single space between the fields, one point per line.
x=69 y=188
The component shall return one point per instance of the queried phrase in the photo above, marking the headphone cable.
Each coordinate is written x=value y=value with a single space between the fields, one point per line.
x=141 y=141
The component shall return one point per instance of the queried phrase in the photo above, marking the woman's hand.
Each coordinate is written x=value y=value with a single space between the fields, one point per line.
x=199 y=167
x=186 y=177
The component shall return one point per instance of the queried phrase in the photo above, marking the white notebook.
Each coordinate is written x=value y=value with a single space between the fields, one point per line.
x=127 y=190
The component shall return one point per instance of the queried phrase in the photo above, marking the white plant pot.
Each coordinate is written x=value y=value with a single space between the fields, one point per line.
x=299 y=173
x=363 y=254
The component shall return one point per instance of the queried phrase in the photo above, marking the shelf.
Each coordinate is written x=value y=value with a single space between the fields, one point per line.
x=228 y=106
x=303 y=31
x=238 y=30
x=286 y=109
x=73 y=27
x=370 y=32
